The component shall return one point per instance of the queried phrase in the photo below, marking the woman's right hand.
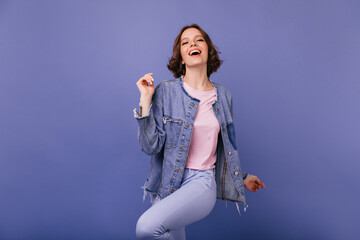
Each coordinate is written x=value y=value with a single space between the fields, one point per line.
x=147 y=89
x=146 y=86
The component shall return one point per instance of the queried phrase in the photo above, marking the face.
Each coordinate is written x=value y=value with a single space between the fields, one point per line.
x=193 y=48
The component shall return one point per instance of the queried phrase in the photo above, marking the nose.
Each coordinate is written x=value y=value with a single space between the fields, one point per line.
x=193 y=44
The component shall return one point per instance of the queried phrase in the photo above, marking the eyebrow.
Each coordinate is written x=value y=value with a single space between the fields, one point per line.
x=188 y=38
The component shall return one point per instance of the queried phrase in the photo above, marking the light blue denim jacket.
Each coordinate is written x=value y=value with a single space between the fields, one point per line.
x=165 y=134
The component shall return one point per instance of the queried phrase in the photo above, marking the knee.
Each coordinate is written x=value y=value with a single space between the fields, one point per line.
x=144 y=228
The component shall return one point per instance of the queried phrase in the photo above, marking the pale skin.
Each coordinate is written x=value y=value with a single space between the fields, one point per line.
x=195 y=76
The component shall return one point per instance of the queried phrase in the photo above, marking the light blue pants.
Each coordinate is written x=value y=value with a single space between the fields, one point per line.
x=194 y=200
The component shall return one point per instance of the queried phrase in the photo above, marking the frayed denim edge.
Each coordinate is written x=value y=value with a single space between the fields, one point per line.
x=237 y=207
x=152 y=195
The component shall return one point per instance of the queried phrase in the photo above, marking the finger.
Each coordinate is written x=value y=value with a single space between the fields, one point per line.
x=147 y=80
x=258 y=181
x=150 y=79
x=144 y=82
x=145 y=77
x=149 y=75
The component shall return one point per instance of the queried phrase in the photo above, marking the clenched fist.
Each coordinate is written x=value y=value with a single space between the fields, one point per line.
x=253 y=183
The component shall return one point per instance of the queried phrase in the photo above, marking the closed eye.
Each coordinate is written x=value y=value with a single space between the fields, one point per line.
x=184 y=43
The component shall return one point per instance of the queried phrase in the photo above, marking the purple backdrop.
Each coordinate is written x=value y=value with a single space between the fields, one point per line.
x=70 y=164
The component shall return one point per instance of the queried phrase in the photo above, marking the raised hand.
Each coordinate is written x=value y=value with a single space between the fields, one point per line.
x=147 y=88
x=146 y=85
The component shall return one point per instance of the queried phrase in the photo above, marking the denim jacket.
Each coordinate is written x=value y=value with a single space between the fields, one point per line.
x=165 y=135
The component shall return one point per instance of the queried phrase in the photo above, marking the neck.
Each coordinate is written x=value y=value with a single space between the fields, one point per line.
x=197 y=78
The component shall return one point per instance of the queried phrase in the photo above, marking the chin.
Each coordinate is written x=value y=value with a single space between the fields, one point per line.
x=196 y=64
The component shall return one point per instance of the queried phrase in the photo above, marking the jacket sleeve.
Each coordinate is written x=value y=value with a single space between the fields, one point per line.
x=151 y=134
x=244 y=174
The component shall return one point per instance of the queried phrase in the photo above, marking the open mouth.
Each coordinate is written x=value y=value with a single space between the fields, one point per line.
x=195 y=52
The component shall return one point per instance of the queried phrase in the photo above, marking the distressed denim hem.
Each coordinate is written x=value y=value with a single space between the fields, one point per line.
x=152 y=195
x=237 y=206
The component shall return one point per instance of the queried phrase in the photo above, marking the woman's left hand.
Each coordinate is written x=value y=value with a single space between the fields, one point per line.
x=253 y=183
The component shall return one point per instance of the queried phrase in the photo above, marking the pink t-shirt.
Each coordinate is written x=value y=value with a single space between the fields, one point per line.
x=202 y=150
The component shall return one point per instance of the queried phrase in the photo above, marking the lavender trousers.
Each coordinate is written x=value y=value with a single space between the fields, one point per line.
x=194 y=200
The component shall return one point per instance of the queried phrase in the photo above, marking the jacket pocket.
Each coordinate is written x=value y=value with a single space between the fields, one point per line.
x=231 y=133
x=172 y=128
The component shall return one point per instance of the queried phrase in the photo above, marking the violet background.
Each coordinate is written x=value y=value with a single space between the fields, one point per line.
x=70 y=164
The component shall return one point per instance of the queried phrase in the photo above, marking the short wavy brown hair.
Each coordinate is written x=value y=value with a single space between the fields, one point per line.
x=213 y=63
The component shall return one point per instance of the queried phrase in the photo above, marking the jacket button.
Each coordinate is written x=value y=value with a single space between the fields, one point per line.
x=224 y=129
x=183 y=148
x=236 y=173
x=230 y=153
x=188 y=125
x=217 y=109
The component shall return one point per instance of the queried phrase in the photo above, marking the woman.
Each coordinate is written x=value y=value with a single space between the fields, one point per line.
x=186 y=126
